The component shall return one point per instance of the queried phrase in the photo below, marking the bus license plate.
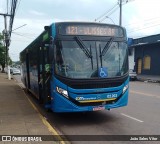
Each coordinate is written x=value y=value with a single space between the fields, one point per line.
x=98 y=108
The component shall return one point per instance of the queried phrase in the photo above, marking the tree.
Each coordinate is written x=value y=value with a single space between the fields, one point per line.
x=2 y=53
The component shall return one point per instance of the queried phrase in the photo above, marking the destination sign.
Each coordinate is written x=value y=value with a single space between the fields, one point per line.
x=95 y=30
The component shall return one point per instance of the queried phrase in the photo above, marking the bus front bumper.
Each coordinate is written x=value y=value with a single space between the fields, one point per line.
x=61 y=104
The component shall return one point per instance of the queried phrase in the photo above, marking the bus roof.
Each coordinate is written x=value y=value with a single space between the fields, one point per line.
x=68 y=23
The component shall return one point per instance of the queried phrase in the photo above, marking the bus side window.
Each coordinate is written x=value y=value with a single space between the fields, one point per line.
x=47 y=68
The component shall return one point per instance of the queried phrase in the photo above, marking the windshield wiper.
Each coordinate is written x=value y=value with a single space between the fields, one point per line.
x=100 y=54
x=106 y=47
x=83 y=47
x=91 y=56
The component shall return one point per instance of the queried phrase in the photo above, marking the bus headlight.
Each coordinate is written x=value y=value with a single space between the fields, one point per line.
x=62 y=92
x=125 y=88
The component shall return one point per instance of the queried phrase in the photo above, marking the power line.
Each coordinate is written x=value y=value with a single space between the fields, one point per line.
x=112 y=10
x=109 y=14
x=106 y=12
x=28 y=34
x=22 y=35
x=17 y=7
x=146 y=20
x=19 y=27
x=22 y=41
x=141 y=35
x=7 y=6
x=108 y=18
x=144 y=28
x=6 y=32
x=13 y=8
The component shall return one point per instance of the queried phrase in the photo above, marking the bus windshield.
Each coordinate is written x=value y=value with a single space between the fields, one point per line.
x=91 y=59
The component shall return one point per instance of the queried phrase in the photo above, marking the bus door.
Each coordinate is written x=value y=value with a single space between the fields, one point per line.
x=44 y=75
x=27 y=78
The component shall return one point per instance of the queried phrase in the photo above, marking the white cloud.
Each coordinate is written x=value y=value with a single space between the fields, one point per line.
x=23 y=36
x=36 y=13
x=138 y=14
x=147 y=9
x=142 y=18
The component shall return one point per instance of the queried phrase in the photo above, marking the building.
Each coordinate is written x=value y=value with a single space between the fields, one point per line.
x=144 y=55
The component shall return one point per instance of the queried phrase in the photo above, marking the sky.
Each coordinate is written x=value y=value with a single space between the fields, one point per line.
x=140 y=17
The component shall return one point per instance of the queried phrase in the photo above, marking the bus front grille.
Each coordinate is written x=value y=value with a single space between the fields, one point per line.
x=93 y=83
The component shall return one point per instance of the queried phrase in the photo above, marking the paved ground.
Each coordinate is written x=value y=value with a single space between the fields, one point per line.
x=140 y=117
x=149 y=78
x=17 y=115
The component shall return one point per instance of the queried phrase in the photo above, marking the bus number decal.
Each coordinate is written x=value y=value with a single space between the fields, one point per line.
x=72 y=30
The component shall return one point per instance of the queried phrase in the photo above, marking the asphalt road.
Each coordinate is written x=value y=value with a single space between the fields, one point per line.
x=140 y=117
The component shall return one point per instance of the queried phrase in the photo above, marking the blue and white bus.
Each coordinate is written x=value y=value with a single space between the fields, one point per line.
x=78 y=66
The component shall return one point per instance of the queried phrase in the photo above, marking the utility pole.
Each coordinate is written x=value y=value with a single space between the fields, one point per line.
x=7 y=41
x=120 y=9
x=120 y=12
x=7 y=33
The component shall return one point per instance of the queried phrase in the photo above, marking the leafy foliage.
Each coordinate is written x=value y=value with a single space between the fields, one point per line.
x=2 y=52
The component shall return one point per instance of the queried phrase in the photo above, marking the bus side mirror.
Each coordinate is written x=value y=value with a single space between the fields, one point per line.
x=46 y=28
